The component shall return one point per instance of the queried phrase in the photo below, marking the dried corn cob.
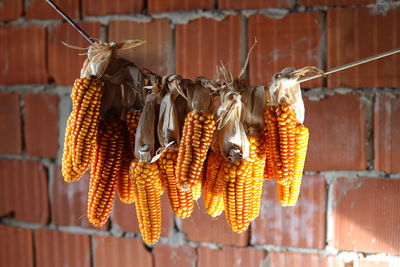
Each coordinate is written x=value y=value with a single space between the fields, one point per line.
x=125 y=188
x=132 y=121
x=288 y=194
x=148 y=204
x=196 y=140
x=273 y=163
x=181 y=201
x=86 y=96
x=106 y=164
x=257 y=158
x=237 y=196
x=213 y=186
x=287 y=141
x=198 y=186
x=67 y=170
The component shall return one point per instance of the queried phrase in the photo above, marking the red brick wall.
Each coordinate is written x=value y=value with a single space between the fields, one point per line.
x=348 y=213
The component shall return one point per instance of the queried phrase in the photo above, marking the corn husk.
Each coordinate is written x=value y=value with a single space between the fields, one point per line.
x=285 y=88
x=254 y=110
x=199 y=95
x=145 y=143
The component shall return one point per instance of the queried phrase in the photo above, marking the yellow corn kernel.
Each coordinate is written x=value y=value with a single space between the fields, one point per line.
x=181 y=201
x=214 y=185
x=125 y=188
x=148 y=203
x=132 y=121
x=67 y=170
x=273 y=164
x=106 y=163
x=198 y=186
x=196 y=140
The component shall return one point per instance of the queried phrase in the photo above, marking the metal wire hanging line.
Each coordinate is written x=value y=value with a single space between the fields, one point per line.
x=304 y=79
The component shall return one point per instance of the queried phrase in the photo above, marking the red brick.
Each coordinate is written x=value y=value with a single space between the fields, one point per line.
x=69 y=200
x=334 y=2
x=202 y=44
x=16 y=247
x=157 y=6
x=253 y=4
x=11 y=9
x=292 y=41
x=10 y=124
x=302 y=259
x=371 y=263
x=23 y=191
x=114 y=251
x=366 y=213
x=106 y=7
x=38 y=9
x=201 y=227
x=65 y=63
x=41 y=125
x=387 y=132
x=229 y=256
x=21 y=61
x=337 y=133
x=155 y=53
x=300 y=226
x=125 y=217
x=54 y=248
x=167 y=256
x=349 y=37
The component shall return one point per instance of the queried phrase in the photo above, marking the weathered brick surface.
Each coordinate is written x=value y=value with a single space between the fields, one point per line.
x=155 y=54
x=157 y=6
x=349 y=37
x=366 y=213
x=171 y=256
x=65 y=63
x=337 y=133
x=41 y=125
x=297 y=47
x=278 y=259
x=372 y=263
x=253 y=4
x=11 y=9
x=37 y=9
x=10 y=123
x=23 y=62
x=229 y=256
x=387 y=132
x=54 y=248
x=299 y=226
x=16 y=247
x=201 y=227
x=202 y=44
x=106 y=7
x=23 y=191
x=333 y=2
x=125 y=217
x=114 y=251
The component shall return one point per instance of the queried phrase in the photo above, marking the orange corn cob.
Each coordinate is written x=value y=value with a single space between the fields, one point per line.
x=86 y=96
x=287 y=141
x=196 y=140
x=67 y=169
x=181 y=201
x=273 y=163
x=214 y=185
x=198 y=186
x=237 y=196
x=106 y=164
x=132 y=121
x=257 y=159
x=125 y=188
x=148 y=203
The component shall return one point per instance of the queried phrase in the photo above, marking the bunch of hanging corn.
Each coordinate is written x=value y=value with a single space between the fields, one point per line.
x=286 y=138
x=196 y=136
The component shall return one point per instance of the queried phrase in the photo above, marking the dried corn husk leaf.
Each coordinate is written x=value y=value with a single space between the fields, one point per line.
x=285 y=88
x=199 y=95
x=232 y=139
